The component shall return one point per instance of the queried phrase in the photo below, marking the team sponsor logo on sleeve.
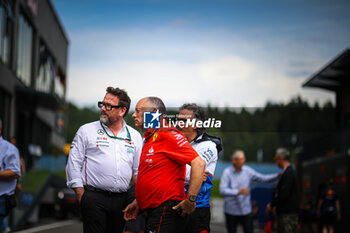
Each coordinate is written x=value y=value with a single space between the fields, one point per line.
x=181 y=139
x=207 y=155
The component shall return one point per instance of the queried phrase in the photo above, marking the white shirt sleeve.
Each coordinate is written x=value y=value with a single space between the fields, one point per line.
x=208 y=152
x=225 y=187
x=262 y=178
x=138 y=149
x=76 y=160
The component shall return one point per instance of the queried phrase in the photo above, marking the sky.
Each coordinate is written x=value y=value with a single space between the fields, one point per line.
x=226 y=53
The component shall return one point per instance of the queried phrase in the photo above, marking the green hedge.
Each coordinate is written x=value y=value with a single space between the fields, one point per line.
x=34 y=179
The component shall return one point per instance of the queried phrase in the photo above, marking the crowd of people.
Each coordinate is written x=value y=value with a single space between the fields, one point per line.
x=160 y=182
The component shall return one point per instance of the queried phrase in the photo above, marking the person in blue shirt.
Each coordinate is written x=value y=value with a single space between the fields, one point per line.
x=235 y=188
x=10 y=171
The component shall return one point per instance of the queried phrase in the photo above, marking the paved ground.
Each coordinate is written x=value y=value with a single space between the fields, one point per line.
x=75 y=226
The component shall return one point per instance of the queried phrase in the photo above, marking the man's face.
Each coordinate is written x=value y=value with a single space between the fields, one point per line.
x=141 y=106
x=278 y=160
x=185 y=114
x=238 y=161
x=111 y=116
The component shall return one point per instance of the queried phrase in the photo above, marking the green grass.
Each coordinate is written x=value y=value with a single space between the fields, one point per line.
x=215 y=190
x=34 y=179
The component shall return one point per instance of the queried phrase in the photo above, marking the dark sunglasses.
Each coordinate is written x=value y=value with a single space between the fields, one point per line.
x=108 y=107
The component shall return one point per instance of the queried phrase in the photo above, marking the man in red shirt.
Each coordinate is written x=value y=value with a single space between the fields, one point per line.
x=160 y=181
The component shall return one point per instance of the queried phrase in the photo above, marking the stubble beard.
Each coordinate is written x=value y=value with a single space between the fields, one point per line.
x=104 y=118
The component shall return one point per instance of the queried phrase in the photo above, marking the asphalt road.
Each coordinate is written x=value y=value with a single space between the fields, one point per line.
x=75 y=226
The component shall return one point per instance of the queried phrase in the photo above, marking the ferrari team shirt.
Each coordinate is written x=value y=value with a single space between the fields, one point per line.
x=103 y=160
x=162 y=167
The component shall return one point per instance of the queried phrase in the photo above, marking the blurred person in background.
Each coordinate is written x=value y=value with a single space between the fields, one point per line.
x=235 y=188
x=286 y=197
x=10 y=171
x=328 y=209
x=23 y=166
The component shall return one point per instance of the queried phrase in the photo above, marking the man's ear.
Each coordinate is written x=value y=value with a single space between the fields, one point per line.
x=124 y=111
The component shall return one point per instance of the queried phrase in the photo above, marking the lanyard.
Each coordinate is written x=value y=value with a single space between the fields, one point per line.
x=128 y=135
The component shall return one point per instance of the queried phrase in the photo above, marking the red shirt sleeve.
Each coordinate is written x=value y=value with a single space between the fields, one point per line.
x=178 y=148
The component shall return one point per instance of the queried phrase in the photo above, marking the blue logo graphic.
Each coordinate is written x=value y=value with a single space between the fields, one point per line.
x=151 y=120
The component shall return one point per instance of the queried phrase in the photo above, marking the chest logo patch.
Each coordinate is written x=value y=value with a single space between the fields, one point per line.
x=100 y=131
x=155 y=136
x=150 y=151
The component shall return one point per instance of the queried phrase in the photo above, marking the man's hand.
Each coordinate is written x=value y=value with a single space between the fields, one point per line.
x=186 y=206
x=79 y=192
x=270 y=210
x=205 y=175
x=8 y=175
x=243 y=191
x=131 y=211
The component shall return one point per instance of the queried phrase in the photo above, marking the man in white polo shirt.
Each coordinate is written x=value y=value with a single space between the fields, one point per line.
x=103 y=157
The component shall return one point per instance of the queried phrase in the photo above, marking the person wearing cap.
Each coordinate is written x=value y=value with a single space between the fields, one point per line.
x=160 y=182
x=10 y=171
x=103 y=157
x=208 y=147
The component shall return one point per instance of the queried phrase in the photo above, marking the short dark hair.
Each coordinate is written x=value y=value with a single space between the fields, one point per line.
x=124 y=99
x=198 y=113
x=157 y=103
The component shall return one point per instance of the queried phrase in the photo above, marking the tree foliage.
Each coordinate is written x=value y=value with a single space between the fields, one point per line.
x=249 y=129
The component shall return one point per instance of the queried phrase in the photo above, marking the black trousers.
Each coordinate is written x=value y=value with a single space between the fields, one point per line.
x=164 y=219
x=102 y=212
x=245 y=220
x=199 y=221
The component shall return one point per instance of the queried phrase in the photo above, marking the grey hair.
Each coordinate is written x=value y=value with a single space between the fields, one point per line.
x=236 y=153
x=198 y=113
x=157 y=103
x=284 y=153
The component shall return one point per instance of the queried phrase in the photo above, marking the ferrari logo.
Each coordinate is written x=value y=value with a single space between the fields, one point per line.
x=155 y=136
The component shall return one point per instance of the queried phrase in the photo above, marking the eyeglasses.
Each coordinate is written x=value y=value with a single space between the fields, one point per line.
x=107 y=106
